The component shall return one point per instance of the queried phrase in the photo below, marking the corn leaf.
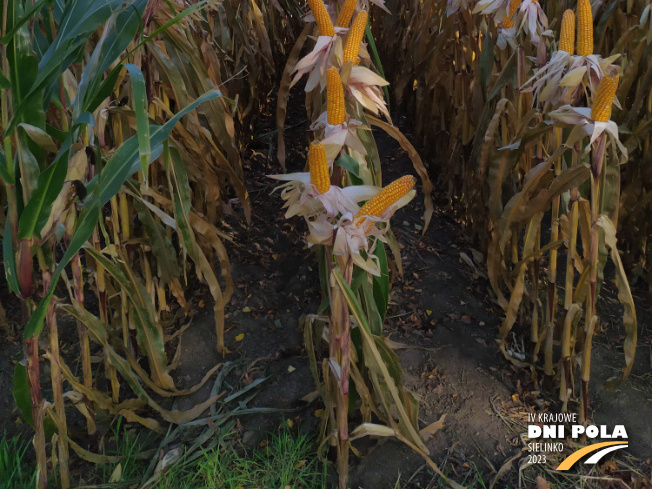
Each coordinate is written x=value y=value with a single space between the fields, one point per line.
x=118 y=33
x=79 y=20
x=625 y=297
x=149 y=332
x=9 y=259
x=142 y=123
x=98 y=330
x=117 y=170
x=388 y=376
x=21 y=392
x=381 y=284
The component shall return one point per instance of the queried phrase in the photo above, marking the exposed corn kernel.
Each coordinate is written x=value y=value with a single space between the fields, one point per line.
x=386 y=197
x=346 y=14
x=319 y=172
x=336 y=111
x=601 y=108
x=354 y=38
x=584 y=28
x=322 y=18
x=567 y=35
x=507 y=22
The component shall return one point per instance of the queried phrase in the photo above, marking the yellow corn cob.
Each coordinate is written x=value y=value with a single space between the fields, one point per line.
x=380 y=202
x=513 y=7
x=322 y=17
x=601 y=108
x=354 y=38
x=344 y=18
x=584 y=28
x=334 y=97
x=319 y=173
x=567 y=35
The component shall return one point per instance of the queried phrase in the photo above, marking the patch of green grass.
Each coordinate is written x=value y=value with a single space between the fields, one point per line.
x=286 y=460
x=125 y=444
x=15 y=471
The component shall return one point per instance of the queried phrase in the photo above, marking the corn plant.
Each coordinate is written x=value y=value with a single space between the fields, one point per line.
x=91 y=144
x=347 y=214
x=518 y=98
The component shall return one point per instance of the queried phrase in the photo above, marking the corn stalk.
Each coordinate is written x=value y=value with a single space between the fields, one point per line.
x=485 y=92
x=92 y=144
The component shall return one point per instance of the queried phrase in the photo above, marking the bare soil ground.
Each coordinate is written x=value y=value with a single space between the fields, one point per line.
x=441 y=311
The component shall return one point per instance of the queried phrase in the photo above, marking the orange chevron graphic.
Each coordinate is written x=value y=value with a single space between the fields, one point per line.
x=569 y=461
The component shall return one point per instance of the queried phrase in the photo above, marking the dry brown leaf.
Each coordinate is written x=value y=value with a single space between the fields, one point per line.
x=542 y=483
x=429 y=431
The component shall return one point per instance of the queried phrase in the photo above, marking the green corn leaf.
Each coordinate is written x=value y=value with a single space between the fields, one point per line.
x=23 y=399
x=377 y=63
x=50 y=182
x=382 y=364
x=7 y=178
x=55 y=133
x=6 y=39
x=4 y=82
x=23 y=68
x=140 y=108
x=507 y=74
x=21 y=392
x=349 y=164
x=149 y=332
x=116 y=172
x=125 y=161
x=105 y=89
x=79 y=21
x=359 y=275
x=486 y=64
x=118 y=33
x=381 y=284
x=373 y=314
x=9 y=259
x=157 y=239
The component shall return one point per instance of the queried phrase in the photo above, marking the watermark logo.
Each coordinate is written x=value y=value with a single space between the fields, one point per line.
x=550 y=427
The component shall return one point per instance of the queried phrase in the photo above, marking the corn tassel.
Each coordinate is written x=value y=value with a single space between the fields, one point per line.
x=334 y=97
x=346 y=14
x=386 y=197
x=567 y=34
x=354 y=39
x=584 y=28
x=319 y=172
x=507 y=22
x=322 y=18
x=601 y=108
